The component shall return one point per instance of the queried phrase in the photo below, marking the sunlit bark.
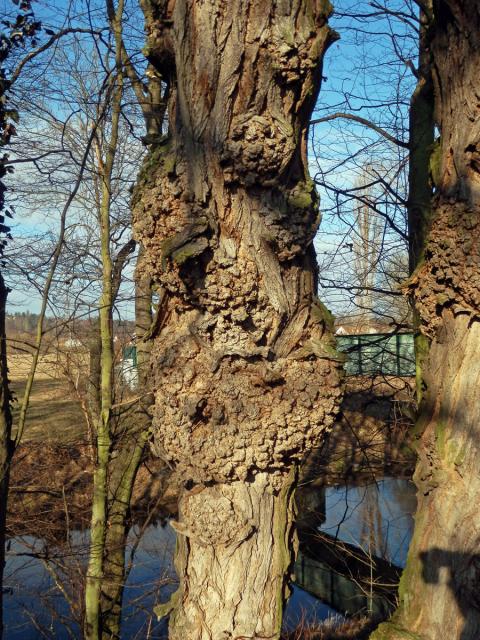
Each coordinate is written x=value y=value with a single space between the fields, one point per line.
x=246 y=373
x=439 y=595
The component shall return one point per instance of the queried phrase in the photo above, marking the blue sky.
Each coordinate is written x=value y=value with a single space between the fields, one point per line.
x=364 y=75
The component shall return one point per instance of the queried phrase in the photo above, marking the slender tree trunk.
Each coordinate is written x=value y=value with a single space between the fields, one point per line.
x=439 y=595
x=144 y=323
x=118 y=455
x=124 y=466
x=6 y=444
x=98 y=526
x=122 y=473
x=246 y=372
x=95 y=370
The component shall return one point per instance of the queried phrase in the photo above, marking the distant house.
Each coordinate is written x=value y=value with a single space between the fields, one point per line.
x=72 y=343
x=353 y=326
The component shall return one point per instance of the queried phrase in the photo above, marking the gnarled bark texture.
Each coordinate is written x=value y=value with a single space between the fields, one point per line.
x=246 y=370
x=421 y=140
x=439 y=591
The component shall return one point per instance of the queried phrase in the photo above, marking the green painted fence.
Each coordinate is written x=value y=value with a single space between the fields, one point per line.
x=378 y=353
x=390 y=354
x=130 y=353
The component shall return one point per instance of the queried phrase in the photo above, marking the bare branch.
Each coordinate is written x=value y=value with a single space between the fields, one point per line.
x=366 y=123
x=44 y=47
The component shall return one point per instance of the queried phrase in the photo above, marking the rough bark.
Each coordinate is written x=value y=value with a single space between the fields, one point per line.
x=242 y=565
x=246 y=372
x=439 y=595
x=421 y=144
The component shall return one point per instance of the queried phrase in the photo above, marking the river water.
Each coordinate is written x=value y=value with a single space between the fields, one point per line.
x=339 y=527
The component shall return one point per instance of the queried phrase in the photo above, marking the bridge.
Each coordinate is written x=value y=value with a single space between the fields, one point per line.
x=344 y=576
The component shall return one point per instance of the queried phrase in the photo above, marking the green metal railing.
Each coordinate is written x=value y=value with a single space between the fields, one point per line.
x=390 y=354
x=378 y=353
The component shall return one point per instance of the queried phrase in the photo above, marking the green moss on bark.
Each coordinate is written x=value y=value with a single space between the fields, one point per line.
x=391 y=631
x=320 y=314
x=162 y=156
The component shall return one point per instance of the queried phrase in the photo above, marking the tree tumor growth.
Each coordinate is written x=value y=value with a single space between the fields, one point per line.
x=246 y=373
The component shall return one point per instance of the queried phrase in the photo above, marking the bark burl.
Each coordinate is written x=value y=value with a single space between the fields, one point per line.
x=439 y=591
x=246 y=372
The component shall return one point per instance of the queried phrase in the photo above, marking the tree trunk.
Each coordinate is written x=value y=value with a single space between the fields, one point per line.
x=237 y=537
x=122 y=473
x=124 y=466
x=95 y=372
x=92 y=627
x=246 y=371
x=143 y=322
x=421 y=139
x=6 y=444
x=439 y=596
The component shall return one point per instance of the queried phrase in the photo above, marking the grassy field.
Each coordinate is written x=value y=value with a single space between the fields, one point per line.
x=54 y=413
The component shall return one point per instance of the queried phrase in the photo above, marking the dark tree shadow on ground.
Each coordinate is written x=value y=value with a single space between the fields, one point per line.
x=371 y=437
x=463 y=580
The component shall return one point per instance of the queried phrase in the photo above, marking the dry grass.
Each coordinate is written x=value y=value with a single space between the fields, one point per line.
x=332 y=629
x=51 y=366
x=54 y=413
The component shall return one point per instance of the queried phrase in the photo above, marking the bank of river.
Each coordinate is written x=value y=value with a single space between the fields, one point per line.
x=339 y=527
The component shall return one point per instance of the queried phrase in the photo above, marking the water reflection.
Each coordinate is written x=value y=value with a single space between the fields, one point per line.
x=374 y=523
x=43 y=587
x=353 y=544
x=377 y=517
